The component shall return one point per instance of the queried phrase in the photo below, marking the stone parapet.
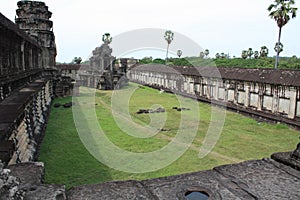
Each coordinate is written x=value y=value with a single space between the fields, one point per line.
x=254 y=179
x=26 y=112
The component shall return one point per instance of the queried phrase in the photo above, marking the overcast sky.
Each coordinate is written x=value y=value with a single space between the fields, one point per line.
x=220 y=26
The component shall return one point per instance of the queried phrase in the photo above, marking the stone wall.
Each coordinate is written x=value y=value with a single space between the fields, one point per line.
x=257 y=91
x=22 y=125
x=26 y=91
x=19 y=58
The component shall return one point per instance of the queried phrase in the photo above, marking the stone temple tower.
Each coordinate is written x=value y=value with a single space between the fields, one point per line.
x=33 y=18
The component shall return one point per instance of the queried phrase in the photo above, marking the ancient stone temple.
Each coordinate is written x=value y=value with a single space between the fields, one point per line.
x=102 y=72
x=33 y=18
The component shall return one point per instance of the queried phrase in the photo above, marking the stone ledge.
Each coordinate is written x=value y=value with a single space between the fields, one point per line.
x=30 y=176
x=262 y=179
x=287 y=159
x=291 y=159
x=110 y=190
x=255 y=179
x=45 y=192
x=29 y=173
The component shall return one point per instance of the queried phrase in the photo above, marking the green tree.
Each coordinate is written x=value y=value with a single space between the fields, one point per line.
x=77 y=60
x=244 y=54
x=169 y=38
x=223 y=55
x=146 y=60
x=217 y=55
x=201 y=55
x=264 y=51
x=256 y=54
x=250 y=52
x=206 y=52
x=106 y=38
x=179 y=53
x=280 y=11
x=158 y=61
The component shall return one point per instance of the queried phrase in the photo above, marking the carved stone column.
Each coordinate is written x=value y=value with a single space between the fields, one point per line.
x=247 y=95
x=293 y=103
x=275 y=103
x=1 y=93
x=260 y=97
x=23 y=55
x=226 y=86
x=236 y=93
x=216 y=91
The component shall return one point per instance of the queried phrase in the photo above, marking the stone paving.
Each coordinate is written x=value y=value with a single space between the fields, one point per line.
x=254 y=179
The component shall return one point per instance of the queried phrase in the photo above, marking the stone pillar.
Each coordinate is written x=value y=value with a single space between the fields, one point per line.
x=216 y=91
x=260 y=97
x=236 y=93
x=31 y=66
x=226 y=85
x=28 y=122
x=88 y=81
x=275 y=100
x=23 y=55
x=96 y=82
x=293 y=103
x=1 y=50
x=1 y=93
x=247 y=95
x=29 y=125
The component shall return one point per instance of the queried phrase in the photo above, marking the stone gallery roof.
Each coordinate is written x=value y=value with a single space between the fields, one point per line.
x=9 y=25
x=277 y=77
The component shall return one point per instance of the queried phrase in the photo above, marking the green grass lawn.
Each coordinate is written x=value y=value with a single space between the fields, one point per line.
x=68 y=162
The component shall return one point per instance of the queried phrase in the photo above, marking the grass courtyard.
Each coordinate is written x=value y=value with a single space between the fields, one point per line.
x=68 y=162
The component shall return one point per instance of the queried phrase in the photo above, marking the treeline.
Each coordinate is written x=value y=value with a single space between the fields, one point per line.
x=266 y=62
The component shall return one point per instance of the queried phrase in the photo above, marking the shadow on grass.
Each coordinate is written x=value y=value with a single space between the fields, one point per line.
x=66 y=159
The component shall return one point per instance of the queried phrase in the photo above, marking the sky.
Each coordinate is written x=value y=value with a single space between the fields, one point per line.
x=220 y=26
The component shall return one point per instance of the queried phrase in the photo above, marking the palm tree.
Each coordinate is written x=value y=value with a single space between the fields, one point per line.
x=77 y=60
x=223 y=55
x=280 y=12
x=264 y=51
x=201 y=55
x=244 y=54
x=106 y=38
x=168 y=37
x=250 y=52
x=206 y=52
x=256 y=54
x=179 y=53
